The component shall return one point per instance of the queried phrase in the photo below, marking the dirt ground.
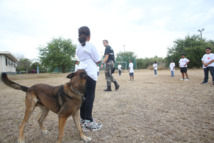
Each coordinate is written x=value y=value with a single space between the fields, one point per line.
x=150 y=109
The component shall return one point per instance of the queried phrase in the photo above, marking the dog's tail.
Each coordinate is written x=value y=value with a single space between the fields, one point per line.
x=12 y=84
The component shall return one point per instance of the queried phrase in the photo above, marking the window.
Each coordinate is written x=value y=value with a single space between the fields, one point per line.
x=6 y=60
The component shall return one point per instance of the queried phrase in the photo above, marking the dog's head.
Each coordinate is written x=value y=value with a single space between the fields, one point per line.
x=78 y=79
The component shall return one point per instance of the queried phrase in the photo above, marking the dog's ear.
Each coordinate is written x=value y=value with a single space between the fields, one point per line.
x=71 y=75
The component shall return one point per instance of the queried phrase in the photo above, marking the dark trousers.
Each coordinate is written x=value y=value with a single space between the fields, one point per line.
x=206 y=73
x=119 y=72
x=87 y=105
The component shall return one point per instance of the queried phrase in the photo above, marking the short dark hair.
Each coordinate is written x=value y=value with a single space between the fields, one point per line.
x=105 y=41
x=84 y=32
x=208 y=48
x=182 y=54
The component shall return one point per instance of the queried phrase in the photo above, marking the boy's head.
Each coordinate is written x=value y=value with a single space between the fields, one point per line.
x=130 y=61
x=171 y=61
x=77 y=62
x=208 y=50
x=182 y=55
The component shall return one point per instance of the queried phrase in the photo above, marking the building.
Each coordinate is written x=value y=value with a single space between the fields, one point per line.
x=8 y=62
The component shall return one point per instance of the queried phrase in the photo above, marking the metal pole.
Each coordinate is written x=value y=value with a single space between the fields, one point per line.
x=201 y=30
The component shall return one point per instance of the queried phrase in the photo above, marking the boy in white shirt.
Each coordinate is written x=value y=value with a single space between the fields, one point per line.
x=183 y=67
x=76 y=66
x=131 y=70
x=208 y=65
x=119 y=69
x=155 y=67
x=172 y=68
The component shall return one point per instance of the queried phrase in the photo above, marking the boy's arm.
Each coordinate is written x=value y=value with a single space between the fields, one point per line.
x=187 y=62
x=208 y=63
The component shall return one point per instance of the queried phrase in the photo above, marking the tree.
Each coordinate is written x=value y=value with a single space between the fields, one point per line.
x=23 y=65
x=33 y=68
x=126 y=56
x=58 y=54
x=192 y=46
x=143 y=63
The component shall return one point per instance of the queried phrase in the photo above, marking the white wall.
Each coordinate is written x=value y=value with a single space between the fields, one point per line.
x=10 y=67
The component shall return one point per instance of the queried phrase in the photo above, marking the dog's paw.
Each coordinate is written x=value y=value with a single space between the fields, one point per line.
x=45 y=132
x=86 y=139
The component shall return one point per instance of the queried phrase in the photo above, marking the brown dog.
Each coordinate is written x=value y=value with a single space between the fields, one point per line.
x=64 y=100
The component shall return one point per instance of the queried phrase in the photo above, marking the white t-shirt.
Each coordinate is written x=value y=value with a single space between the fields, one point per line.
x=131 y=68
x=88 y=57
x=119 y=67
x=172 y=66
x=207 y=58
x=182 y=62
x=155 y=66
x=76 y=67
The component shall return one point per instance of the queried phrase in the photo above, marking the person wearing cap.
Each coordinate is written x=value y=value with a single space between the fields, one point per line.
x=208 y=65
x=183 y=62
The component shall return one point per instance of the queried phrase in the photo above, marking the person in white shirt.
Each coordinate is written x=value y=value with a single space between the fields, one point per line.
x=172 y=68
x=155 y=67
x=76 y=66
x=119 y=69
x=89 y=58
x=131 y=70
x=98 y=70
x=208 y=65
x=183 y=62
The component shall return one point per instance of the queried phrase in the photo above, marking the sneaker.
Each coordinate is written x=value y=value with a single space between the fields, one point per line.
x=181 y=79
x=186 y=79
x=91 y=126
x=82 y=122
x=204 y=82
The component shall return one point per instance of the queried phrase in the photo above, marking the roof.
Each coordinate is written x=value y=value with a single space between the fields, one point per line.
x=8 y=54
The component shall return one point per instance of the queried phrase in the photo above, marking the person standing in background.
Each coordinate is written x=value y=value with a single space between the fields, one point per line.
x=119 y=69
x=131 y=70
x=110 y=63
x=172 y=68
x=183 y=62
x=76 y=66
x=98 y=70
x=208 y=65
x=155 y=68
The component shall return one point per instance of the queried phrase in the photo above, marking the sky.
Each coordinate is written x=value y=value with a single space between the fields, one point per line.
x=145 y=27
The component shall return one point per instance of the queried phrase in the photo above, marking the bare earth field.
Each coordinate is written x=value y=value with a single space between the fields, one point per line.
x=151 y=109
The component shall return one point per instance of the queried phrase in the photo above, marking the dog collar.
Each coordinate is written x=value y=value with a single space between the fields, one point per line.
x=76 y=91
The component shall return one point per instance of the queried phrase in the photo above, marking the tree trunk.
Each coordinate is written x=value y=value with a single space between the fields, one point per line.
x=63 y=69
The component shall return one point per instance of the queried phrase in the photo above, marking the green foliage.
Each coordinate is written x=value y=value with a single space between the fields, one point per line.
x=192 y=46
x=23 y=65
x=143 y=63
x=37 y=64
x=58 y=54
x=126 y=56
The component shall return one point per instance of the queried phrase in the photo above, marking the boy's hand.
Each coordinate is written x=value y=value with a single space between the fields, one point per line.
x=101 y=66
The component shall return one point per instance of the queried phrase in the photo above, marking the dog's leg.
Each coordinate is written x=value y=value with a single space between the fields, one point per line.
x=41 y=119
x=62 y=121
x=76 y=118
x=30 y=103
